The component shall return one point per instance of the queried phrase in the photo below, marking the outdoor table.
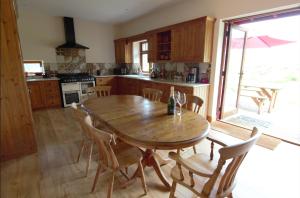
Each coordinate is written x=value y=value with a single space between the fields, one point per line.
x=268 y=90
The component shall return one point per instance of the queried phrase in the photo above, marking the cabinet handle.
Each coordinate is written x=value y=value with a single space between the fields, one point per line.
x=29 y=90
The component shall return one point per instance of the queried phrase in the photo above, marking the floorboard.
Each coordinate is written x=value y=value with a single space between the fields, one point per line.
x=52 y=172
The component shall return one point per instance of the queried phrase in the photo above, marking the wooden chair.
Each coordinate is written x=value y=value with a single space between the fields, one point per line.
x=152 y=94
x=114 y=157
x=91 y=92
x=103 y=90
x=200 y=171
x=98 y=91
x=87 y=141
x=196 y=104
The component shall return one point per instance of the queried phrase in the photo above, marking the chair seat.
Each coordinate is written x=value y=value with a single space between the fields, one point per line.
x=201 y=163
x=127 y=154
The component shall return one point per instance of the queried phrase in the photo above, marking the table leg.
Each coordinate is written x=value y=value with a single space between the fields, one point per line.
x=149 y=159
x=272 y=101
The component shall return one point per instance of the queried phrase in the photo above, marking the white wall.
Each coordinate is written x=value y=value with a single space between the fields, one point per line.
x=189 y=9
x=40 y=34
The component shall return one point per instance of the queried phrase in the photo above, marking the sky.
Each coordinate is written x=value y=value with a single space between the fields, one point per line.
x=287 y=28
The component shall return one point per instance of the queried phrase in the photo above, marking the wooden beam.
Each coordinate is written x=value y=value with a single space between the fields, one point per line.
x=17 y=132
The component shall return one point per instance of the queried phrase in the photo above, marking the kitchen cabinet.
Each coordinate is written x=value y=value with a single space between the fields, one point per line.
x=44 y=94
x=128 y=86
x=200 y=91
x=192 y=40
x=123 y=51
x=189 y=41
x=152 y=45
x=108 y=81
x=36 y=95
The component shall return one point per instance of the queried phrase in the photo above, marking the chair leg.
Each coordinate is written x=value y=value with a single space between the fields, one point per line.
x=212 y=150
x=194 y=148
x=142 y=176
x=96 y=177
x=89 y=159
x=173 y=189
x=111 y=185
x=81 y=150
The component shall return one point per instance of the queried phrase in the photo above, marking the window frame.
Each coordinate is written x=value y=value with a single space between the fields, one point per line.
x=141 y=55
x=33 y=61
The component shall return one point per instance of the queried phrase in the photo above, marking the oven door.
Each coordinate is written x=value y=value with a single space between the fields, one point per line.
x=85 y=86
x=70 y=97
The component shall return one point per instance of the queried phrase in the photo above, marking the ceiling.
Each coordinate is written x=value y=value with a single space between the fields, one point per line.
x=106 y=11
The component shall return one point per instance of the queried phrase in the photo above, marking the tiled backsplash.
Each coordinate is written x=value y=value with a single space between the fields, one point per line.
x=91 y=68
x=74 y=61
x=170 y=70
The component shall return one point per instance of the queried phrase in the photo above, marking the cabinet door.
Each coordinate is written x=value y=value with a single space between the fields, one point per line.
x=36 y=95
x=122 y=86
x=193 y=45
x=152 y=48
x=192 y=41
x=108 y=81
x=177 y=53
x=133 y=86
x=52 y=93
x=120 y=51
x=123 y=51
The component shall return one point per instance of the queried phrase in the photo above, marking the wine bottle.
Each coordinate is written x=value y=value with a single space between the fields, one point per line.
x=171 y=102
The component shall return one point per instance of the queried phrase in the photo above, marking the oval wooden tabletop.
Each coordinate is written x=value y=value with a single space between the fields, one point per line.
x=143 y=123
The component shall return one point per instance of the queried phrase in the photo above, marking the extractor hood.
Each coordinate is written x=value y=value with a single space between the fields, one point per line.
x=70 y=35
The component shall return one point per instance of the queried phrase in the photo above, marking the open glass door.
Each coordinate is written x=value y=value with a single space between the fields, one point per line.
x=233 y=70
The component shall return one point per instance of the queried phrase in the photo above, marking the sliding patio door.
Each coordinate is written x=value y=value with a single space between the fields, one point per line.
x=233 y=70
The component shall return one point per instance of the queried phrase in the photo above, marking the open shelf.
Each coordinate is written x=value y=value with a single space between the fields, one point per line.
x=164 y=45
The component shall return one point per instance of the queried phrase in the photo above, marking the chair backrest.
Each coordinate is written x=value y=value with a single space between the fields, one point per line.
x=91 y=92
x=235 y=153
x=152 y=94
x=80 y=114
x=195 y=102
x=104 y=141
x=103 y=90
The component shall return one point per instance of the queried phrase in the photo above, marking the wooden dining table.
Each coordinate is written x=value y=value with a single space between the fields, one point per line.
x=145 y=124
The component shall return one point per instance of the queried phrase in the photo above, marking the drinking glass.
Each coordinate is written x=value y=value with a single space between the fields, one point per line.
x=181 y=100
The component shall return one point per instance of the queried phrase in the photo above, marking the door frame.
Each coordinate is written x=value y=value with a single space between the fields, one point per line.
x=224 y=66
x=225 y=47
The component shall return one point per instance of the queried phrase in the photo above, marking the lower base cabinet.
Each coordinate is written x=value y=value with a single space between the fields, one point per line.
x=128 y=86
x=44 y=94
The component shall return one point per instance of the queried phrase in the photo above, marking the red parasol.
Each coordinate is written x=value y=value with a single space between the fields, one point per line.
x=258 y=42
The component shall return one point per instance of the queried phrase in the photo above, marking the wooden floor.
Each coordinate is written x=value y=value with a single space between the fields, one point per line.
x=52 y=172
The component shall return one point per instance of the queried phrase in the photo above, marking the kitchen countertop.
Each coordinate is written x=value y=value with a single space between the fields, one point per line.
x=147 y=78
x=139 y=77
x=40 y=78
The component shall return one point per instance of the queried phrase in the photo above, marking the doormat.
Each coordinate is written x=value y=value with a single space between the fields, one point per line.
x=249 y=122
x=244 y=134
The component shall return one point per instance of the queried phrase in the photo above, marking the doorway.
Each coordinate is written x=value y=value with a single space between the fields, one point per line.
x=260 y=76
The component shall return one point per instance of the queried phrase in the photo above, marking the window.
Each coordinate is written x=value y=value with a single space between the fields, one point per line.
x=33 y=67
x=144 y=56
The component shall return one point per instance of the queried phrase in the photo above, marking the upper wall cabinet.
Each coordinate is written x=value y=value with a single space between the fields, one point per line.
x=152 y=47
x=189 y=41
x=196 y=40
x=123 y=51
